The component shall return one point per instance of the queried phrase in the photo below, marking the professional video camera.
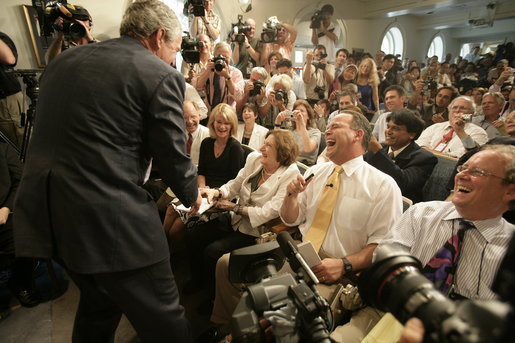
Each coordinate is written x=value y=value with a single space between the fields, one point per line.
x=239 y=29
x=316 y=20
x=394 y=283
x=277 y=294
x=220 y=62
x=257 y=88
x=190 y=49
x=281 y=95
x=49 y=11
x=197 y=8
x=270 y=29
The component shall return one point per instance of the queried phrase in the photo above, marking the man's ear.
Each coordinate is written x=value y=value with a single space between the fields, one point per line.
x=509 y=195
x=156 y=39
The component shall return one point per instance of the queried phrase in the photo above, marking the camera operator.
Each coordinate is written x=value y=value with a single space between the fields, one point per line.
x=284 y=42
x=209 y=24
x=254 y=90
x=220 y=81
x=436 y=111
x=63 y=42
x=285 y=67
x=11 y=97
x=318 y=75
x=484 y=189
x=324 y=31
x=246 y=54
x=190 y=70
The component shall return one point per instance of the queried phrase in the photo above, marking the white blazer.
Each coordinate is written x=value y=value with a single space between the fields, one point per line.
x=265 y=202
x=257 y=138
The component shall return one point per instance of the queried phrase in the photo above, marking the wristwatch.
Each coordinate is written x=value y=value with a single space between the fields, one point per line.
x=236 y=209
x=347 y=266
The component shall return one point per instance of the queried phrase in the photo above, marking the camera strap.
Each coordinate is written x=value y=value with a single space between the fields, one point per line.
x=321 y=34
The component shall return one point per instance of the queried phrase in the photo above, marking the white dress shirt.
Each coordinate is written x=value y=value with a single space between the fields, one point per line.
x=192 y=95
x=425 y=227
x=198 y=136
x=257 y=138
x=367 y=206
x=433 y=135
x=380 y=127
x=264 y=203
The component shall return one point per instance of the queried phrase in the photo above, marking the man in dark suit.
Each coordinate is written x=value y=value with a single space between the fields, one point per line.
x=104 y=110
x=400 y=157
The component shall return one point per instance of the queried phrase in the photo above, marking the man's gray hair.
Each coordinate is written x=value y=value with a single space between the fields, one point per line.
x=464 y=97
x=499 y=98
x=144 y=17
x=260 y=71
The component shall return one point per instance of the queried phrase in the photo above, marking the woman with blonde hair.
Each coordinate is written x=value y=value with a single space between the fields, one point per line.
x=368 y=82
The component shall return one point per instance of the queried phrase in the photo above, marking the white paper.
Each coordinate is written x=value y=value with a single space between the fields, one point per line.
x=203 y=207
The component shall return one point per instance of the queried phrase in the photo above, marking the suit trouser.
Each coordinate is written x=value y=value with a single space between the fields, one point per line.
x=228 y=296
x=147 y=296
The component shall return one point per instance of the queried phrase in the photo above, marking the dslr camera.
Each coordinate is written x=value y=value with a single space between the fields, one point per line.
x=190 y=49
x=49 y=11
x=320 y=92
x=394 y=283
x=281 y=95
x=270 y=29
x=316 y=20
x=220 y=63
x=197 y=8
x=257 y=88
x=430 y=86
x=239 y=29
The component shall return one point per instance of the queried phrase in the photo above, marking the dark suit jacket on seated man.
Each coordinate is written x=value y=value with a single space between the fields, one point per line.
x=81 y=201
x=400 y=157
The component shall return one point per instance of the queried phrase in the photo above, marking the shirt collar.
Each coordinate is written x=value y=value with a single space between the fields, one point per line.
x=488 y=228
x=351 y=166
x=398 y=151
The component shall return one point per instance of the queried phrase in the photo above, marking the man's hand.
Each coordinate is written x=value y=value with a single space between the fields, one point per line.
x=4 y=214
x=319 y=110
x=413 y=331
x=374 y=145
x=437 y=118
x=195 y=207
x=210 y=194
x=309 y=56
x=458 y=124
x=329 y=271
x=297 y=186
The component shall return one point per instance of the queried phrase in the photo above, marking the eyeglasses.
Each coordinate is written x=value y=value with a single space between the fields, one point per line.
x=460 y=108
x=477 y=172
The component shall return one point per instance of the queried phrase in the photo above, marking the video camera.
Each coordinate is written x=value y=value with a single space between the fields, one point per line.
x=197 y=8
x=277 y=294
x=190 y=49
x=220 y=62
x=239 y=29
x=316 y=19
x=49 y=11
x=270 y=29
x=394 y=283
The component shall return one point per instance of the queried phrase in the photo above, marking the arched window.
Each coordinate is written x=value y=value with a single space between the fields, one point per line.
x=393 y=42
x=465 y=49
x=436 y=48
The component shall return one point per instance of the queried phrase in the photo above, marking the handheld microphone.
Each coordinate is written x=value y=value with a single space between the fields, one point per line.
x=297 y=262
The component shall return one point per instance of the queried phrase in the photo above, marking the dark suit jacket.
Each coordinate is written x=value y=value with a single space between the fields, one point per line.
x=10 y=174
x=104 y=110
x=410 y=170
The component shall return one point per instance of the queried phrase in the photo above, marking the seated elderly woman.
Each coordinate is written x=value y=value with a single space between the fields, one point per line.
x=260 y=187
x=220 y=160
x=307 y=136
x=250 y=133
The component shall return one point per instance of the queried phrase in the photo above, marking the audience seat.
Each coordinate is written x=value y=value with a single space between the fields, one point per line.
x=406 y=203
x=302 y=167
x=246 y=151
x=435 y=187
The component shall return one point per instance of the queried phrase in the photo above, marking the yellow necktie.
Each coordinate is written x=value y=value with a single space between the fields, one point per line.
x=317 y=231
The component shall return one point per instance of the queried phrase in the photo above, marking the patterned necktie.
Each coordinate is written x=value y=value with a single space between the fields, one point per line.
x=189 y=143
x=441 y=268
x=317 y=231
x=217 y=91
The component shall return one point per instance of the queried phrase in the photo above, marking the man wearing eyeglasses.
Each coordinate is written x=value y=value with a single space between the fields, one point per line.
x=457 y=135
x=484 y=189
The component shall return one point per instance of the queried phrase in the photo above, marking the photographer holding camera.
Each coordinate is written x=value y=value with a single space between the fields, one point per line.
x=69 y=34
x=190 y=70
x=318 y=75
x=220 y=81
x=279 y=98
x=254 y=90
x=246 y=48
x=283 y=42
x=325 y=31
x=208 y=24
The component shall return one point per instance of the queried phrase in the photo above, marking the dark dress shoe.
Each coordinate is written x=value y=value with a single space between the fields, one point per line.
x=213 y=334
x=28 y=298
